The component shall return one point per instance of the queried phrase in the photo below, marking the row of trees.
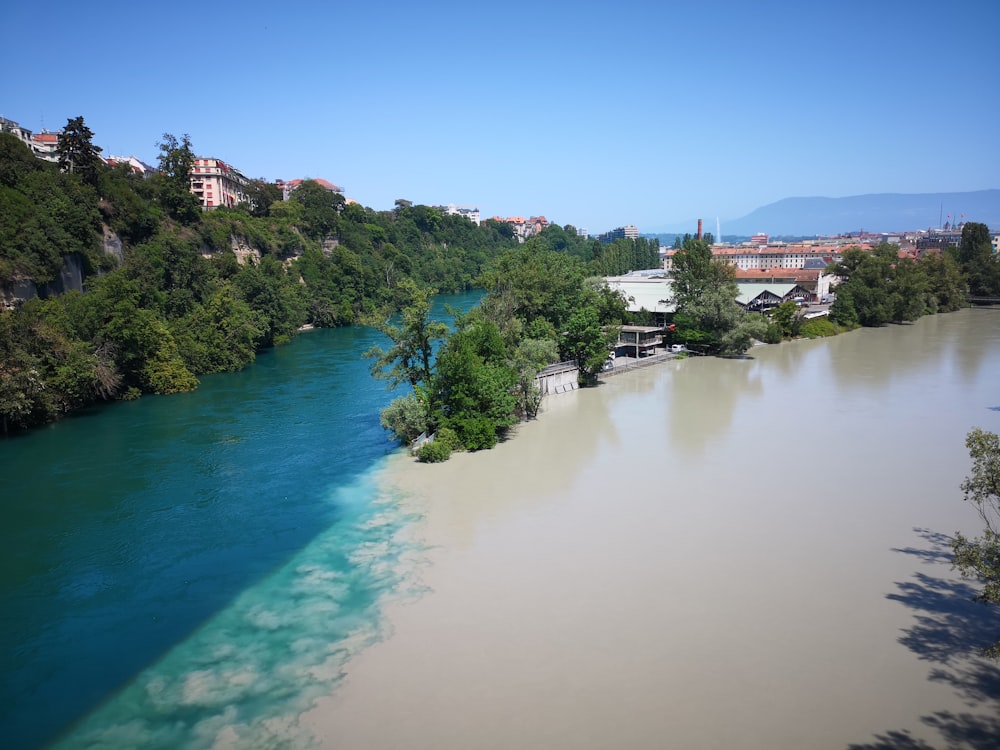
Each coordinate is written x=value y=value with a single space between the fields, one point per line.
x=878 y=287
x=542 y=306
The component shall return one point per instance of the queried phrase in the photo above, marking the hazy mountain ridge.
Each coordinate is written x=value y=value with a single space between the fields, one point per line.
x=878 y=212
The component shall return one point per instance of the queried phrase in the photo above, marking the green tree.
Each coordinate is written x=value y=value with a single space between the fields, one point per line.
x=410 y=359
x=320 y=209
x=947 y=286
x=705 y=292
x=786 y=317
x=979 y=558
x=586 y=342
x=978 y=261
x=475 y=387
x=176 y=159
x=77 y=152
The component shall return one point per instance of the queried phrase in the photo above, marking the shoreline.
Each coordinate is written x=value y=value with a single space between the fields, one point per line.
x=574 y=603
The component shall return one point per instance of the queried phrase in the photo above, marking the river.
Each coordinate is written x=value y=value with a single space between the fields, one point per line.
x=197 y=570
x=130 y=530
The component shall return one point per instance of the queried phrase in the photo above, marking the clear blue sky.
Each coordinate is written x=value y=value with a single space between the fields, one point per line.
x=592 y=114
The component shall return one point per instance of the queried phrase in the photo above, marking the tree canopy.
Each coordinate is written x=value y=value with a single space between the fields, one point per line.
x=192 y=292
x=77 y=152
x=979 y=557
x=705 y=293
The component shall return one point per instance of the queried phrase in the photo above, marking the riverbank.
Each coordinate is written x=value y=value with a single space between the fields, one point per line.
x=709 y=553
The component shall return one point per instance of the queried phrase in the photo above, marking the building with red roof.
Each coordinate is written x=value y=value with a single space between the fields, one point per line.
x=287 y=188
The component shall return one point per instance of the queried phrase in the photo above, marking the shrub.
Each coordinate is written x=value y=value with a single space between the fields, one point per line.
x=818 y=327
x=434 y=452
x=405 y=418
x=773 y=334
x=476 y=433
x=449 y=437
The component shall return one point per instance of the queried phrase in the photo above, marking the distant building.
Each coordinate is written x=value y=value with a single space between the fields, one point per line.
x=796 y=256
x=627 y=232
x=287 y=188
x=46 y=145
x=760 y=239
x=937 y=241
x=524 y=228
x=137 y=166
x=9 y=126
x=215 y=183
x=469 y=212
x=580 y=232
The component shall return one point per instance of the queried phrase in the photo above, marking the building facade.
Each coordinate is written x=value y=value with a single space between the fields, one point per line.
x=215 y=183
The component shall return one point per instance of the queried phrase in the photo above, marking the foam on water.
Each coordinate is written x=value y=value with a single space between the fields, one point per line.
x=243 y=678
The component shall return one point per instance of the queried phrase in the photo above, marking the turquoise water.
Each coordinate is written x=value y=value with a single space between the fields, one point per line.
x=181 y=566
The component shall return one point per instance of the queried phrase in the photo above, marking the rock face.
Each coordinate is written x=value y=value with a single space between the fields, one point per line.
x=244 y=252
x=113 y=244
x=70 y=276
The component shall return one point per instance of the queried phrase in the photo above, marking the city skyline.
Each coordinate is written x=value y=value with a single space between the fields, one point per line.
x=593 y=115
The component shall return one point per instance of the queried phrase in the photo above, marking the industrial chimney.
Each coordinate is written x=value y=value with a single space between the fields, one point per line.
x=699 y=229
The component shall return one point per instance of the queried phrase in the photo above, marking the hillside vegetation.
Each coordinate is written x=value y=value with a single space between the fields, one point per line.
x=202 y=292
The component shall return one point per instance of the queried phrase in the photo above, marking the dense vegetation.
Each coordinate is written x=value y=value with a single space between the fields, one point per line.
x=179 y=303
x=542 y=306
x=879 y=287
x=196 y=293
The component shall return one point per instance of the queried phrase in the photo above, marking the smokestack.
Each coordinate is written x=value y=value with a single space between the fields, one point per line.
x=699 y=229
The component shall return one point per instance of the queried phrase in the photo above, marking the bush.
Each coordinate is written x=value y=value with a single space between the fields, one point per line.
x=405 y=418
x=773 y=334
x=434 y=452
x=449 y=437
x=818 y=328
x=476 y=433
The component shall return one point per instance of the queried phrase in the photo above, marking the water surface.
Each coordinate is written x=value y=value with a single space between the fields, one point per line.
x=158 y=532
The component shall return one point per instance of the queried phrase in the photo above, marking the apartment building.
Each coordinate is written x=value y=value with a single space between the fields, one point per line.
x=627 y=232
x=216 y=183
x=469 y=212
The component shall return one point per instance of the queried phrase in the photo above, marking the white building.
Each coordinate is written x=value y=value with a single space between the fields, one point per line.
x=469 y=212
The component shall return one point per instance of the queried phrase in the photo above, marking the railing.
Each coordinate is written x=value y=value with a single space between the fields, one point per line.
x=653 y=359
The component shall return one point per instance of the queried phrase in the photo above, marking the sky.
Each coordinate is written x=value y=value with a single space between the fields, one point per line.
x=591 y=114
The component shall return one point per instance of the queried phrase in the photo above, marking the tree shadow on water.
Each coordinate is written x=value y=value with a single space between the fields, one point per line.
x=949 y=630
x=975 y=732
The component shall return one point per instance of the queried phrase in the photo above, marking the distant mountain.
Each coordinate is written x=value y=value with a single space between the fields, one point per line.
x=882 y=212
